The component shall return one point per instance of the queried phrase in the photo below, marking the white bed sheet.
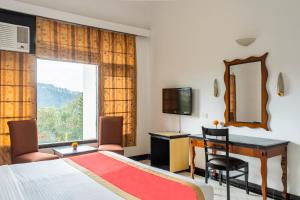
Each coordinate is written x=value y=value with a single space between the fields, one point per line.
x=57 y=180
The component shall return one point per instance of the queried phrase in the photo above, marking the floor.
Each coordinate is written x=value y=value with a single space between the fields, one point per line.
x=220 y=191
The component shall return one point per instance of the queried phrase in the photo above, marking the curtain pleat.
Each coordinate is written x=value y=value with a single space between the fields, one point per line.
x=118 y=81
x=17 y=94
x=115 y=53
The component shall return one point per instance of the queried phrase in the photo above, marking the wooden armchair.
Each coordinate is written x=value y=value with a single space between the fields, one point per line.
x=110 y=134
x=24 y=142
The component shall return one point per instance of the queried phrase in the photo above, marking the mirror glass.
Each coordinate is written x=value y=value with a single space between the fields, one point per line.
x=245 y=93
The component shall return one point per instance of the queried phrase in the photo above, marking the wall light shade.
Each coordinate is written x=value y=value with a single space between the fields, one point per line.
x=280 y=85
x=245 y=41
x=216 y=88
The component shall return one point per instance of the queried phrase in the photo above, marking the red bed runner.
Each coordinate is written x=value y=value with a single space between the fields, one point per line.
x=134 y=180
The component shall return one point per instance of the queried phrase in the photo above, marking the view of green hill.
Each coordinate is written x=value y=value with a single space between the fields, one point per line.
x=51 y=96
x=59 y=114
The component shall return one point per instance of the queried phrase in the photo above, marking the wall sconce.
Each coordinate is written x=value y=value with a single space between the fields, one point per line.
x=245 y=41
x=216 y=88
x=280 y=85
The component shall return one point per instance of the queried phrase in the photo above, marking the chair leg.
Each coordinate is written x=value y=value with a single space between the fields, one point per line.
x=246 y=178
x=220 y=177
x=228 y=184
x=206 y=174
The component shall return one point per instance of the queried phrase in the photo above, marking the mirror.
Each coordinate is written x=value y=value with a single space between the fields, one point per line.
x=246 y=94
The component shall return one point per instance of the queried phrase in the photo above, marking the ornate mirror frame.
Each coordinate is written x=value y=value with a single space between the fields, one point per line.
x=264 y=93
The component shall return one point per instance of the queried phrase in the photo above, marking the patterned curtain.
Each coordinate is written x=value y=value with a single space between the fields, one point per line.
x=113 y=52
x=17 y=94
x=232 y=106
x=67 y=42
x=118 y=81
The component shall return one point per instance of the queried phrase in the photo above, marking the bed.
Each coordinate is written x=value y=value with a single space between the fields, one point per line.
x=96 y=176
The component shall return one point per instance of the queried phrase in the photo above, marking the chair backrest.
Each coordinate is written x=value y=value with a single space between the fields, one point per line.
x=110 y=130
x=216 y=140
x=23 y=137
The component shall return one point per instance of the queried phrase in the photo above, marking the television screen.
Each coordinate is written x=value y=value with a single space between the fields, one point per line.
x=177 y=101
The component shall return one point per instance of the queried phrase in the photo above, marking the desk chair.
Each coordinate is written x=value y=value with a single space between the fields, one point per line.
x=110 y=134
x=24 y=142
x=215 y=141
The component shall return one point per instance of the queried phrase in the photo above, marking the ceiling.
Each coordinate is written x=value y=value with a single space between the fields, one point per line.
x=133 y=13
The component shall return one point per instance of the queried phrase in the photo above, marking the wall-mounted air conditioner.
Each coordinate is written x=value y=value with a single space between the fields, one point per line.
x=14 y=37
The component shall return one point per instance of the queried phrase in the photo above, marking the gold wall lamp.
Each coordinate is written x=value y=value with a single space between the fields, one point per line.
x=280 y=85
x=216 y=88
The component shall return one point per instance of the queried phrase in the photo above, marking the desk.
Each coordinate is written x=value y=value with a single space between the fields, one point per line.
x=170 y=151
x=253 y=147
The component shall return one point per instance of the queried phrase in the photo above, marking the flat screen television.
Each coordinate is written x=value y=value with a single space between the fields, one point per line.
x=177 y=101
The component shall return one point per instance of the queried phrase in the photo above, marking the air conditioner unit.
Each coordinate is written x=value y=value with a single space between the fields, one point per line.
x=14 y=37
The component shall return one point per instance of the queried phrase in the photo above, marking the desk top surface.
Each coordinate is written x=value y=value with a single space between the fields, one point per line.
x=248 y=141
x=169 y=134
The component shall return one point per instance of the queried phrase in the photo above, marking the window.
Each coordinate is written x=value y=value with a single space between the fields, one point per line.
x=66 y=101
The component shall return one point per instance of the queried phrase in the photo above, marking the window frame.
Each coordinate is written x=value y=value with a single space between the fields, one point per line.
x=68 y=143
x=59 y=144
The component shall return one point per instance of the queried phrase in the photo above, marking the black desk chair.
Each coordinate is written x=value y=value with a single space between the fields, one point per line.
x=215 y=141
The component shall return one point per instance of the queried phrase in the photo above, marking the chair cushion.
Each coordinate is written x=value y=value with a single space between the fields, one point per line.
x=112 y=147
x=220 y=163
x=34 y=157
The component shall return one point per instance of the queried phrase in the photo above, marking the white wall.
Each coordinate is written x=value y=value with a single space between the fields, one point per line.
x=190 y=40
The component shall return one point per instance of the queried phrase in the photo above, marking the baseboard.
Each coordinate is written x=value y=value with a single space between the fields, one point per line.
x=140 y=157
x=255 y=188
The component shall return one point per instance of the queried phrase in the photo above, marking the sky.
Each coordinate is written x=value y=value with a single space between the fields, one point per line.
x=61 y=74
